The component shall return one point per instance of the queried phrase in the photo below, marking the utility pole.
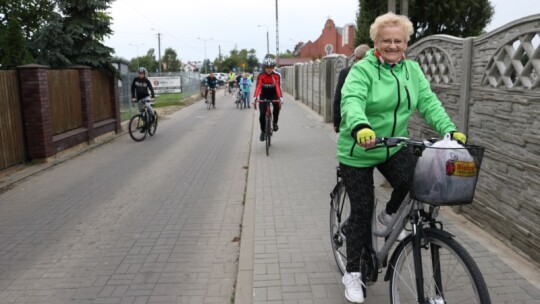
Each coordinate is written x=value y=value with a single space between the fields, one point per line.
x=277 y=35
x=159 y=51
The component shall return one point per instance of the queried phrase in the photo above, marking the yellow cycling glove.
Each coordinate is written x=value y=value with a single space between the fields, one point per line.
x=462 y=138
x=365 y=135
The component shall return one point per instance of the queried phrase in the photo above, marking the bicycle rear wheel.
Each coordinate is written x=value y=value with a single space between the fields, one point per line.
x=450 y=274
x=153 y=126
x=340 y=209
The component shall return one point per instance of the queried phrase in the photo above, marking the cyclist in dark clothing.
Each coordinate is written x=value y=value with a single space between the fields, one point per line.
x=139 y=92
x=268 y=88
x=211 y=84
x=359 y=53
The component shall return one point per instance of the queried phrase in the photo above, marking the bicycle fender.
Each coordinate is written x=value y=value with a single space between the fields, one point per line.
x=427 y=232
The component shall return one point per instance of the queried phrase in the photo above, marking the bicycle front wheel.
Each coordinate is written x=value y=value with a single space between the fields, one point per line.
x=449 y=272
x=340 y=209
x=153 y=127
x=136 y=129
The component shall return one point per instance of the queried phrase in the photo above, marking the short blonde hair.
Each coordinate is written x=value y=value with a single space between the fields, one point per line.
x=391 y=19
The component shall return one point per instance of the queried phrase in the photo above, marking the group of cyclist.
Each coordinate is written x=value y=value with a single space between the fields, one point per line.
x=267 y=87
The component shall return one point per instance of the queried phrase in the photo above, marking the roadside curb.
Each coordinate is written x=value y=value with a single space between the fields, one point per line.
x=244 y=279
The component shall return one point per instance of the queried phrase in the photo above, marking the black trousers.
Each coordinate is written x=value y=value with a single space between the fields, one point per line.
x=360 y=188
x=262 y=114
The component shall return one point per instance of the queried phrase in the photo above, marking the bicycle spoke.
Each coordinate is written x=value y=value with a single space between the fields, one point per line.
x=447 y=276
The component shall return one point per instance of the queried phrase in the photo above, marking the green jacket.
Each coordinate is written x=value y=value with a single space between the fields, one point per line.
x=383 y=98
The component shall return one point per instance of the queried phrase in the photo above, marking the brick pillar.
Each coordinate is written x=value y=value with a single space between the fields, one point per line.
x=115 y=102
x=85 y=82
x=36 y=110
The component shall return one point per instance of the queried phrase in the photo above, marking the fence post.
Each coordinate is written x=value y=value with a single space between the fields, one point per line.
x=36 y=110
x=297 y=86
x=465 y=85
x=85 y=82
x=115 y=102
x=328 y=98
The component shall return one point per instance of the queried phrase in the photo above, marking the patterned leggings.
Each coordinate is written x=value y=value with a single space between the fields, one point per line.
x=359 y=185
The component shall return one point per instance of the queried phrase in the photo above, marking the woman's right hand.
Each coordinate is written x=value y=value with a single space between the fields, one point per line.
x=366 y=138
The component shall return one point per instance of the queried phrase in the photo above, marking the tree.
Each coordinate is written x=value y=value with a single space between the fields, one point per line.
x=30 y=13
x=148 y=61
x=51 y=44
x=170 y=61
x=460 y=18
x=14 y=50
x=238 y=57
x=367 y=12
x=452 y=17
x=87 y=24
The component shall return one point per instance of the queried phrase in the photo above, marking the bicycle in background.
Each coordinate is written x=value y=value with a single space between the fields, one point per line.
x=141 y=124
x=212 y=102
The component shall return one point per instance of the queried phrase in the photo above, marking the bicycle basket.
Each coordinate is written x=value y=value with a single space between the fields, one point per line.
x=444 y=176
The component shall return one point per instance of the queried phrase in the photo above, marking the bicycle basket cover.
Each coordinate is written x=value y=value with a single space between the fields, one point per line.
x=445 y=173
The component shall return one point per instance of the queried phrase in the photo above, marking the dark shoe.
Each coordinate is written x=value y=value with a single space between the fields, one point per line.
x=143 y=129
x=263 y=137
x=276 y=127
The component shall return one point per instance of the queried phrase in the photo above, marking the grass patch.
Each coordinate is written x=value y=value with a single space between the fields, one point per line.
x=166 y=100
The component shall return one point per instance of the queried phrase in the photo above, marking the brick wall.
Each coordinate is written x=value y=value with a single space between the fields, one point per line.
x=36 y=108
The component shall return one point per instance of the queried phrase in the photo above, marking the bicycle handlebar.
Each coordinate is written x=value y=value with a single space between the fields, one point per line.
x=389 y=142
x=267 y=100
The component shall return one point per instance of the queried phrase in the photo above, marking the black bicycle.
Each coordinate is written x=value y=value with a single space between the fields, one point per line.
x=141 y=124
x=212 y=103
x=239 y=101
x=268 y=127
x=427 y=267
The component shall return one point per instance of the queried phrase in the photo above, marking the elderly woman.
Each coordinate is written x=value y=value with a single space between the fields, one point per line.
x=379 y=96
x=245 y=87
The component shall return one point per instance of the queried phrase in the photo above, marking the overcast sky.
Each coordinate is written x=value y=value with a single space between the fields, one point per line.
x=231 y=23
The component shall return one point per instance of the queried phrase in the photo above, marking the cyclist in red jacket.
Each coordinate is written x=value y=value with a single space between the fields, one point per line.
x=268 y=88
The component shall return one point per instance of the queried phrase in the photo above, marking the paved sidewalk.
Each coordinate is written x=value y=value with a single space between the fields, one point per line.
x=285 y=255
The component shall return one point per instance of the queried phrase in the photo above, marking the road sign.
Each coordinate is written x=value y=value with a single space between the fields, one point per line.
x=166 y=84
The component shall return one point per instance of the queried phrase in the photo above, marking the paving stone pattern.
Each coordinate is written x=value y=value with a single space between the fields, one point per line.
x=131 y=223
x=293 y=262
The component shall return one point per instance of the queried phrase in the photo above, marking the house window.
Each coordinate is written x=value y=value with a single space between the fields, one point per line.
x=329 y=49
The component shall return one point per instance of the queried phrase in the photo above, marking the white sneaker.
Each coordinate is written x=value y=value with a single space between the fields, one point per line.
x=384 y=218
x=353 y=287
x=404 y=233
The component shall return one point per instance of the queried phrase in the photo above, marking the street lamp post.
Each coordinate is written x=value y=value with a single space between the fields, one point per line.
x=267 y=38
x=205 y=40
x=137 y=48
